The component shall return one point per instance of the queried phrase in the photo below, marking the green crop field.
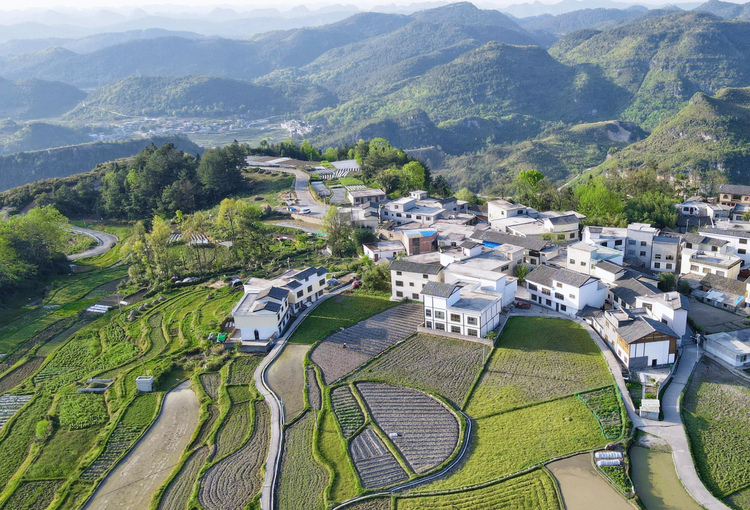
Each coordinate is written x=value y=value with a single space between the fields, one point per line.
x=339 y=312
x=302 y=479
x=332 y=449
x=538 y=359
x=532 y=491
x=715 y=413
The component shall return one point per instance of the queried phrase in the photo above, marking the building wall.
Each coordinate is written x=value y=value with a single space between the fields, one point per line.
x=635 y=247
x=310 y=291
x=665 y=256
x=266 y=323
x=440 y=317
x=580 y=261
x=658 y=351
x=740 y=245
x=573 y=298
x=726 y=355
x=412 y=284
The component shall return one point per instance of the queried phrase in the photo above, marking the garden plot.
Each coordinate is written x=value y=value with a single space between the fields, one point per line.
x=178 y=492
x=715 y=410
x=375 y=464
x=30 y=495
x=301 y=480
x=208 y=424
x=431 y=363
x=9 y=405
x=211 y=382
x=233 y=481
x=20 y=374
x=237 y=423
x=535 y=490
x=365 y=340
x=538 y=359
x=347 y=410
x=371 y=504
x=606 y=407
x=286 y=377
x=423 y=430
x=242 y=369
x=313 y=390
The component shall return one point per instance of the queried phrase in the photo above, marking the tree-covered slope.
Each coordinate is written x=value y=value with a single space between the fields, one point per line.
x=584 y=18
x=35 y=99
x=201 y=96
x=665 y=60
x=33 y=136
x=711 y=132
x=726 y=9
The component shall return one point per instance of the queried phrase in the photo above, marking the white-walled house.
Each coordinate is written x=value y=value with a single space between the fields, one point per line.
x=665 y=253
x=383 y=250
x=458 y=309
x=485 y=274
x=637 y=339
x=640 y=241
x=363 y=196
x=732 y=347
x=565 y=291
x=609 y=237
x=703 y=255
x=584 y=256
x=670 y=308
x=738 y=239
x=408 y=278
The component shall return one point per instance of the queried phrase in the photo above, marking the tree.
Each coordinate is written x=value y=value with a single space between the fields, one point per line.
x=667 y=282
x=376 y=278
x=521 y=271
x=414 y=174
x=217 y=175
x=440 y=187
x=652 y=207
x=158 y=242
x=595 y=199
x=466 y=195
x=684 y=287
x=363 y=236
x=338 y=232
x=527 y=187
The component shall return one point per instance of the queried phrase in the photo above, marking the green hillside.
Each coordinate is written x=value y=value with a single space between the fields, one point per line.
x=709 y=133
x=199 y=96
x=726 y=9
x=558 y=152
x=664 y=61
x=36 y=99
x=19 y=136
x=570 y=21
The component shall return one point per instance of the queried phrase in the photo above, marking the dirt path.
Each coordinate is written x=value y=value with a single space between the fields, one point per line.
x=286 y=376
x=581 y=486
x=133 y=482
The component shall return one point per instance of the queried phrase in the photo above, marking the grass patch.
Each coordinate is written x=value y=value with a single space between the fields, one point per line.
x=142 y=411
x=302 y=480
x=338 y=312
x=333 y=450
x=512 y=441
x=538 y=359
x=619 y=476
x=18 y=332
x=73 y=287
x=532 y=491
x=350 y=181
x=82 y=410
x=62 y=453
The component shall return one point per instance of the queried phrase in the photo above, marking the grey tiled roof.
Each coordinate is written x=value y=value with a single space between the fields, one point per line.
x=722 y=284
x=267 y=305
x=610 y=267
x=667 y=239
x=701 y=239
x=627 y=289
x=545 y=275
x=493 y=236
x=273 y=292
x=640 y=326
x=736 y=232
x=415 y=267
x=310 y=271
x=470 y=244
x=438 y=289
x=734 y=189
x=563 y=220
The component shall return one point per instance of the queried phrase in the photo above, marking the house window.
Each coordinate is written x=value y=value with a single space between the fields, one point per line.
x=504 y=268
x=411 y=284
x=408 y=215
x=471 y=332
x=415 y=296
x=714 y=248
x=643 y=254
x=631 y=242
x=456 y=329
x=428 y=324
x=439 y=326
x=533 y=297
x=706 y=270
x=643 y=243
x=419 y=217
x=399 y=283
x=743 y=241
x=455 y=317
x=439 y=315
x=428 y=312
x=548 y=302
x=720 y=273
x=669 y=266
x=559 y=296
x=424 y=276
x=572 y=235
x=309 y=288
x=583 y=264
x=563 y=308
x=670 y=257
x=399 y=293
x=657 y=256
x=322 y=283
x=572 y=261
x=743 y=358
x=561 y=236
x=546 y=292
x=742 y=251
x=694 y=268
x=618 y=242
x=631 y=252
x=398 y=273
x=558 y=285
x=572 y=296
x=471 y=321
x=398 y=215
x=299 y=294
x=532 y=286
x=688 y=245
x=657 y=265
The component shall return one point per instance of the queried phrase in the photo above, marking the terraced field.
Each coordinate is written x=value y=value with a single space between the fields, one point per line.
x=301 y=479
x=33 y=495
x=178 y=492
x=242 y=369
x=347 y=410
x=236 y=425
x=371 y=504
x=20 y=374
x=434 y=364
x=365 y=340
x=426 y=433
x=375 y=464
x=313 y=390
x=532 y=491
x=233 y=481
x=9 y=405
x=210 y=382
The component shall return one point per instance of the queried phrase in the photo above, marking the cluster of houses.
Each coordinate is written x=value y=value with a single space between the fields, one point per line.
x=461 y=263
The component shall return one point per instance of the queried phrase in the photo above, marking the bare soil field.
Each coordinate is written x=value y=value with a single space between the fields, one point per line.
x=347 y=410
x=18 y=375
x=177 y=494
x=286 y=376
x=235 y=480
x=375 y=464
x=431 y=363
x=211 y=382
x=313 y=390
x=234 y=429
x=342 y=352
x=132 y=483
x=426 y=433
x=582 y=487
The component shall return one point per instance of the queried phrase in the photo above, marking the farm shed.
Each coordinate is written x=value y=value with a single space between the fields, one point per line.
x=732 y=347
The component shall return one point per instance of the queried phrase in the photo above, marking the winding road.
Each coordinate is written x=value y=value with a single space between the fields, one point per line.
x=302 y=189
x=105 y=242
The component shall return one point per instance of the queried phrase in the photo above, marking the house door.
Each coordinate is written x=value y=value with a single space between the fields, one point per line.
x=557 y=307
x=653 y=362
x=257 y=334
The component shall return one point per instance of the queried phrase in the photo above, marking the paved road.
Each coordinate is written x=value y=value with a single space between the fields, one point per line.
x=301 y=187
x=105 y=242
x=277 y=413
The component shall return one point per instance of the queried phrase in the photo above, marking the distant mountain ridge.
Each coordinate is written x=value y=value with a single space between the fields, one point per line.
x=726 y=9
x=34 y=99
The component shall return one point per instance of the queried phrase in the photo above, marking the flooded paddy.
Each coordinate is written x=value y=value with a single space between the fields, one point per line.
x=656 y=482
x=286 y=376
x=583 y=488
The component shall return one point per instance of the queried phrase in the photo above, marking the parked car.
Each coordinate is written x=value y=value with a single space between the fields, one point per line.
x=356 y=284
x=523 y=305
x=626 y=374
x=304 y=210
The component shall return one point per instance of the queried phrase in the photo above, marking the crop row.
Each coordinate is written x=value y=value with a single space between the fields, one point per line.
x=21 y=433
x=211 y=382
x=82 y=410
x=233 y=481
x=375 y=464
x=112 y=333
x=301 y=479
x=347 y=410
x=234 y=429
x=178 y=491
x=421 y=428
x=119 y=442
x=606 y=407
x=9 y=405
x=30 y=495
x=242 y=369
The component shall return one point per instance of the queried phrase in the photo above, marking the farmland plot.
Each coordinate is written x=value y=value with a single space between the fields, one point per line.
x=532 y=491
x=313 y=390
x=20 y=374
x=242 y=369
x=605 y=406
x=426 y=432
x=375 y=464
x=301 y=479
x=208 y=424
x=29 y=495
x=210 y=382
x=431 y=363
x=9 y=405
x=365 y=340
x=234 y=429
x=718 y=425
x=538 y=359
x=20 y=436
x=371 y=504
x=286 y=377
x=347 y=410
x=178 y=492
x=233 y=481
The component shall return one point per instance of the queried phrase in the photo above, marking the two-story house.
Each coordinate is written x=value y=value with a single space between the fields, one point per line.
x=408 y=278
x=584 y=256
x=637 y=339
x=733 y=194
x=640 y=241
x=564 y=290
x=702 y=255
x=665 y=254
x=458 y=308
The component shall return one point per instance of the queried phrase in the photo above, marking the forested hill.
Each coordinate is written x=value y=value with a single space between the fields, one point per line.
x=36 y=99
x=33 y=136
x=726 y=9
x=711 y=133
x=25 y=167
x=201 y=96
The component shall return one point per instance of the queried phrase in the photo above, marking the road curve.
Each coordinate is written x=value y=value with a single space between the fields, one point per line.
x=267 y=500
x=105 y=242
x=302 y=188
